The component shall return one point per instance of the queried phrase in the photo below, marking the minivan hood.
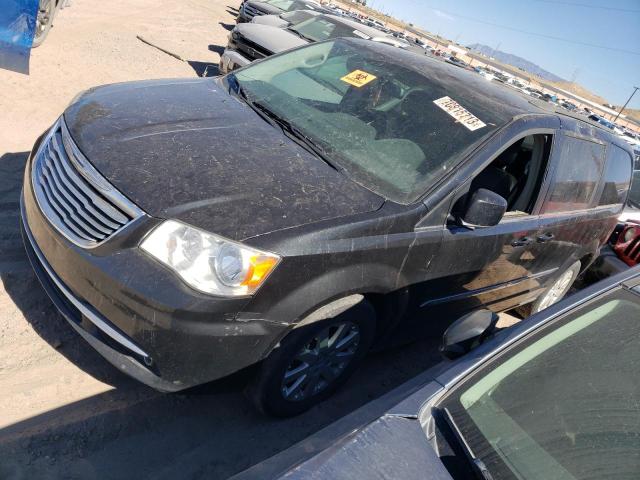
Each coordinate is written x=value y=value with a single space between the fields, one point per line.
x=270 y=20
x=188 y=150
x=274 y=39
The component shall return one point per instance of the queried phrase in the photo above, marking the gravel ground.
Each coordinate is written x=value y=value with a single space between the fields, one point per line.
x=64 y=411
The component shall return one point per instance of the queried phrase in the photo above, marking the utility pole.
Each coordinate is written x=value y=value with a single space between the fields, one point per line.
x=493 y=54
x=627 y=103
x=574 y=75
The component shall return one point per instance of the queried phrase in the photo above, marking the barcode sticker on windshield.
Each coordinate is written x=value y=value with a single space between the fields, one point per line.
x=358 y=78
x=460 y=113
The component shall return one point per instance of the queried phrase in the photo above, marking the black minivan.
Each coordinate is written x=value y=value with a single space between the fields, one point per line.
x=307 y=208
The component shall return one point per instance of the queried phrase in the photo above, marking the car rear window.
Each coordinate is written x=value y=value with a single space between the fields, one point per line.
x=617 y=177
x=579 y=168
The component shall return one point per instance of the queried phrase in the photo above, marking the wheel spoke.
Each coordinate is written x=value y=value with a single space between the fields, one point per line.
x=331 y=343
x=308 y=356
x=289 y=391
x=343 y=355
x=347 y=340
x=296 y=372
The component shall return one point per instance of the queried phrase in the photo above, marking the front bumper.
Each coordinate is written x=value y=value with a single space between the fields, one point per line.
x=139 y=315
x=232 y=59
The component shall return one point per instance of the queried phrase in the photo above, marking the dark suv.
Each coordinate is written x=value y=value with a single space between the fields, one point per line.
x=301 y=210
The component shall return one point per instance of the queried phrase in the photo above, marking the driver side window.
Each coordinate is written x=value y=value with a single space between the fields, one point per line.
x=517 y=173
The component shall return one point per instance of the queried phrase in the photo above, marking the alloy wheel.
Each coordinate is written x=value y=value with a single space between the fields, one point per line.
x=321 y=361
x=558 y=290
x=44 y=17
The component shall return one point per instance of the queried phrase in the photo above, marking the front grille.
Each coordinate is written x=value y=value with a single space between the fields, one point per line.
x=251 y=50
x=251 y=12
x=79 y=202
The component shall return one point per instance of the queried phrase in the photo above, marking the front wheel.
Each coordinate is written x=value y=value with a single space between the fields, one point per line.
x=44 y=20
x=553 y=293
x=313 y=361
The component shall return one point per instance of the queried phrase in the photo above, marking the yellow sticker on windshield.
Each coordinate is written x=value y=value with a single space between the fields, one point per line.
x=358 y=78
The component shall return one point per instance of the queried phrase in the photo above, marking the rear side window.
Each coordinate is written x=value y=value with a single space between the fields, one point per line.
x=617 y=176
x=580 y=165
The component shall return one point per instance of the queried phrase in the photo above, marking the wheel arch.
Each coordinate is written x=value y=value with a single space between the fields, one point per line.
x=328 y=295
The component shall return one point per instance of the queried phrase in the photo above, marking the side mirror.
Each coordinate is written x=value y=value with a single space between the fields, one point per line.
x=484 y=209
x=467 y=332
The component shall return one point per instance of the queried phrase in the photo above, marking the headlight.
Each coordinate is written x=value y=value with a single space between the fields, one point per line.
x=208 y=262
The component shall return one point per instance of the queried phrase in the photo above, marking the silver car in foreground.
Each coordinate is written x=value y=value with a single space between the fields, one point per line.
x=554 y=397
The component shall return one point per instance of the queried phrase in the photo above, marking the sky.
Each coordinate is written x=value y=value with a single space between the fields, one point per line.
x=537 y=30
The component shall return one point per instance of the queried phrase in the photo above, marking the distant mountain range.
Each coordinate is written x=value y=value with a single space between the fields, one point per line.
x=516 y=61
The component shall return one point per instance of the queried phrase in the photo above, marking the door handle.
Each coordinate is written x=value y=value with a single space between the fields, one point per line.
x=521 y=242
x=545 y=237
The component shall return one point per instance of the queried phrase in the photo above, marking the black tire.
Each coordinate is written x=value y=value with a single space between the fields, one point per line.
x=267 y=390
x=573 y=271
x=46 y=11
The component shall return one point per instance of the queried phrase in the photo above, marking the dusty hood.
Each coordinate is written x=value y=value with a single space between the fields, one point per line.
x=186 y=149
x=270 y=20
x=274 y=39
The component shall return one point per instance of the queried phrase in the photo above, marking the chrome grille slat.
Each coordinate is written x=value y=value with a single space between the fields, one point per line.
x=62 y=215
x=80 y=203
x=70 y=216
x=65 y=176
x=75 y=207
x=251 y=12
x=107 y=209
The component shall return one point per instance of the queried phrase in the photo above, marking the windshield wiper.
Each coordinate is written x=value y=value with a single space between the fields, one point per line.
x=287 y=127
x=301 y=35
x=478 y=465
x=294 y=133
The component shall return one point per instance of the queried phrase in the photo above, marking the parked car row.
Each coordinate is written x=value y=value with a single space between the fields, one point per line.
x=266 y=34
x=629 y=136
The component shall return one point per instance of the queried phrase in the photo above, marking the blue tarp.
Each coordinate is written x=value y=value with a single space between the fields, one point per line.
x=17 y=26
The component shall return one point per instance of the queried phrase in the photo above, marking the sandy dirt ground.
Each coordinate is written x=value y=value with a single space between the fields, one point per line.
x=64 y=411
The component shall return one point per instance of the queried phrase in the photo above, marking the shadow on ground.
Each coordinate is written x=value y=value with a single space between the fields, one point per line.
x=23 y=287
x=213 y=434
x=12 y=255
x=204 y=69
x=219 y=49
x=227 y=26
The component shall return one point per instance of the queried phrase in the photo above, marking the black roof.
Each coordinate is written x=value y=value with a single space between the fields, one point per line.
x=455 y=78
x=510 y=101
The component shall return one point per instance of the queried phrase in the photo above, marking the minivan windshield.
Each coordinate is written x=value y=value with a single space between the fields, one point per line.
x=321 y=28
x=289 y=5
x=567 y=405
x=392 y=121
x=297 y=16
